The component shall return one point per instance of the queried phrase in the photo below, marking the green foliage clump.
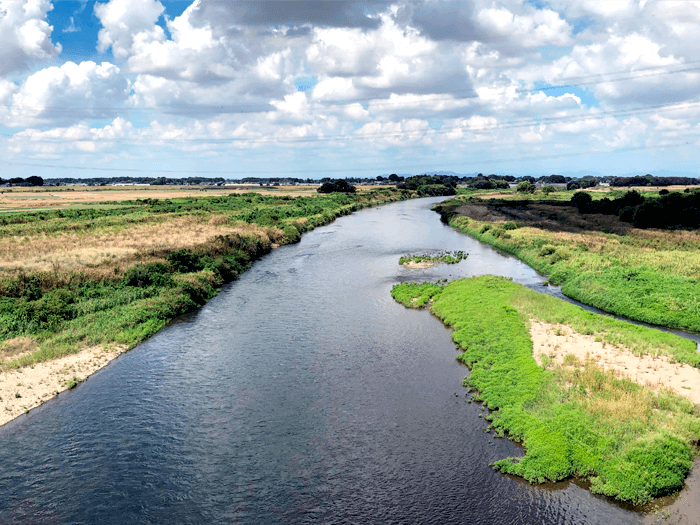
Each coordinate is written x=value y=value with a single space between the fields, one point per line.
x=430 y=185
x=414 y=295
x=337 y=186
x=445 y=257
x=631 y=443
x=525 y=187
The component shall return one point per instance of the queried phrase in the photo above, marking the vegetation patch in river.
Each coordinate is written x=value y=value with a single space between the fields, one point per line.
x=630 y=442
x=427 y=260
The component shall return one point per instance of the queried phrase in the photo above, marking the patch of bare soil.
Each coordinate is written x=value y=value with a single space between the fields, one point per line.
x=558 y=342
x=413 y=265
x=550 y=216
x=25 y=388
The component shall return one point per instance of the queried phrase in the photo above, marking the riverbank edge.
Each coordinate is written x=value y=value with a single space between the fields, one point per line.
x=115 y=350
x=505 y=377
x=541 y=266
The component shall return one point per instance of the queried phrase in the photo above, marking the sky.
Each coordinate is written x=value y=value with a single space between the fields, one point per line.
x=336 y=88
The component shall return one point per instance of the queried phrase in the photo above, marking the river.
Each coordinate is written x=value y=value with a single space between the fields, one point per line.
x=302 y=393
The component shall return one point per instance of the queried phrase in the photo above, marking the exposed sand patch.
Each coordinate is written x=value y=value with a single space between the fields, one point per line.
x=413 y=265
x=558 y=341
x=42 y=381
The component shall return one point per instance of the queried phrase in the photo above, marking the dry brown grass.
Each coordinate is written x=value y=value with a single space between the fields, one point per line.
x=609 y=395
x=63 y=197
x=17 y=346
x=117 y=248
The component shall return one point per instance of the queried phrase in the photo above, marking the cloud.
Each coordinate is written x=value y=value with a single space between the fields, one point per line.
x=66 y=94
x=80 y=138
x=318 y=13
x=126 y=21
x=25 y=36
x=508 y=26
x=389 y=60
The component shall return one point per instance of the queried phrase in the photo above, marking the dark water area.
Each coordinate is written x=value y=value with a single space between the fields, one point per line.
x=302 y=393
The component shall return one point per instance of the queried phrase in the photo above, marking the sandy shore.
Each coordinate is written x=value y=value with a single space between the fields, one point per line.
x=655 y=372
x=26 y=388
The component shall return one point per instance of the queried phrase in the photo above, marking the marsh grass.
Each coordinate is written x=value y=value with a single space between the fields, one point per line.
x=631 y=443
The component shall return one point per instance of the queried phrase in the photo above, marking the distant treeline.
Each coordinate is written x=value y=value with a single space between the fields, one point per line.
x=154 y=181
x=424 y=185
x=430 y=185
x=668 y=210
x=29 y=181
x=479 y=181
x=650 y=180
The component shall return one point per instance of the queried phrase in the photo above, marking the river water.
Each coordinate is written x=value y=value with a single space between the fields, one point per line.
x=302 y=393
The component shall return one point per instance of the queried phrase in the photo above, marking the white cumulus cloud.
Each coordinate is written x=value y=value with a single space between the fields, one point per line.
x=72 y=92
x=25 y=35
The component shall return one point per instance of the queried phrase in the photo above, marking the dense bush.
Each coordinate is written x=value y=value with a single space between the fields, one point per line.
x=525 y=187
x=670 y=210
x=337 y=186
x=144 y=275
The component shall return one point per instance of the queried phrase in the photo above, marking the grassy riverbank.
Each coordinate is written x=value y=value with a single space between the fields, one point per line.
x=646 y=275
x=631 y=442
x=71 y=279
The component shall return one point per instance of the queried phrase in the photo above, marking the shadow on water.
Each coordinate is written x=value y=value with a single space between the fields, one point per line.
x=302 y=393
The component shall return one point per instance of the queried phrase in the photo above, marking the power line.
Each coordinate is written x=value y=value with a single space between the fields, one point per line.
x=568 y=82
x=512 y=124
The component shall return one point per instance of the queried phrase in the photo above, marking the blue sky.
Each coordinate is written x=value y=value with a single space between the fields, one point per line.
x=343 y=88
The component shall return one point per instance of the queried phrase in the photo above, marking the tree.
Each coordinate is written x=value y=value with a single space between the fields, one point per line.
x=547 y=190
x=35 y=181
x=581 y=200
x=337 y=186
x=525 y=187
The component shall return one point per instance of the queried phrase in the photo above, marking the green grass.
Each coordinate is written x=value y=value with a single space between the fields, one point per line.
x=631 y=443
x=643 y=276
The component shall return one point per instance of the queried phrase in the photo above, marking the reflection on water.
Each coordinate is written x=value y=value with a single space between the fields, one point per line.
x=301 y=394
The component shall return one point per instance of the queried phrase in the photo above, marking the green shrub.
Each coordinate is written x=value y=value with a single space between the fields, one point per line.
x=144 y=275
x=184 y=261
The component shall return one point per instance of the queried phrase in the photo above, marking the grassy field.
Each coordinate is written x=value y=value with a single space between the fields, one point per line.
x=646 y=275
x=630 y=442
x=69 y=197
x=105 y=275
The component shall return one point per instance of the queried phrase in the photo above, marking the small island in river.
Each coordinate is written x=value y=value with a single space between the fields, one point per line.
x=427 y=260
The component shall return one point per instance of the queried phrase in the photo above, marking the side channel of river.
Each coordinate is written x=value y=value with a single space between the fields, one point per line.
x=301 y=394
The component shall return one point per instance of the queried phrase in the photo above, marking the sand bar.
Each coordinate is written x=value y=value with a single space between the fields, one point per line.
x=42 y=381
x=558 y=341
